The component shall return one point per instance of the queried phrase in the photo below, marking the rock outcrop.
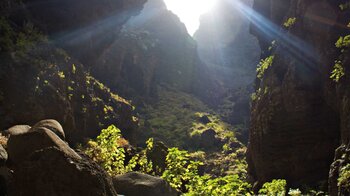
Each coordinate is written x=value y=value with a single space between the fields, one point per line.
x=299 y=115
x=134 y=184
x=43 y=164
x=39 y=81
x=83 y=28
x=155 y=48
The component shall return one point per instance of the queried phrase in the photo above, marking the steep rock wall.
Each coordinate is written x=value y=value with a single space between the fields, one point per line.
x=298 y=116
x=39 y=80
x=85 y=28
x=154 y=49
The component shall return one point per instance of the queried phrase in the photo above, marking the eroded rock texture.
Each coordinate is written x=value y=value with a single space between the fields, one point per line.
x=299 y=116
x=154 y=49
x=40 y=81
x=83 y=28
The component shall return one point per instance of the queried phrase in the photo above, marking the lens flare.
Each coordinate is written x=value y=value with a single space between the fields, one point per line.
x=189 y=11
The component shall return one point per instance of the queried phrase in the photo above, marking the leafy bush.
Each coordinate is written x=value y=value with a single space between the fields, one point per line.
x=227 y=185
x=264 y=65
x=181 y=171
x=344 y=177
x=290 y=22
x=343 y=42
x=105 y=151
x=275 y=188
x=338 y=71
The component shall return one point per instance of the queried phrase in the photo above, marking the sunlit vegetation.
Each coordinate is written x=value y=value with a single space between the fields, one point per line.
x=264 y=65
x=171 y=118
x=182 y=171
x=290 y=22
x=344 y=177
x=338 y=71
x=258 y=93
x=343 y=43
x=276 y=187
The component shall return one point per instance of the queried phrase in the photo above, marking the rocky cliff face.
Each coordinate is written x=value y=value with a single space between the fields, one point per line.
x=83 y=28
x=154 y=49
x=39 y=80
x=299 y=115
x=231 y=53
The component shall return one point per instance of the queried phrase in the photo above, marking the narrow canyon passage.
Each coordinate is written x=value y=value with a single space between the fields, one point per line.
x=174 y=97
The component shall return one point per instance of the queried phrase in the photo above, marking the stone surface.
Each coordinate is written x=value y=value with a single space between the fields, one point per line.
x=85 y=35
x=30 y=90
x=20 y=147
x=204 y=119
x=51 y=171
x=135 y=184
x=51 y=125
x=16 y=130
x=298 y=118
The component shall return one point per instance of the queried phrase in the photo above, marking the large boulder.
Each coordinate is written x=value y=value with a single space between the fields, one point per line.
x=3 y=155
x=135 y=184
x=16 y=130
x=20 y=147
x=51 y=171
x=44 y=164
x=52 y=125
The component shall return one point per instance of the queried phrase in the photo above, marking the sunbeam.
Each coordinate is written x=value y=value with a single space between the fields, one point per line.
x=189 y=11
x=294 y=46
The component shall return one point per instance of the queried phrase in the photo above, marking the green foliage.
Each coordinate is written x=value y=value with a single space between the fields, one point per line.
x=344 y=6
x=109 y=153
x=227 y=185
x=174 y=125
x=264 y=65
x=344 y=177
x=274 y=188
x=343 y=42
x=290 y=22
x=338 y=71
x=105 y=151
x=180 y=169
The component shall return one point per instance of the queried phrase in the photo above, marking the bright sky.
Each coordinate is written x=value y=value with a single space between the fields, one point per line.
x=189 y=11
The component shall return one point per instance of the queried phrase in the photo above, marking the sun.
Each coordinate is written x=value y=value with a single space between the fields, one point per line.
x=189 y=11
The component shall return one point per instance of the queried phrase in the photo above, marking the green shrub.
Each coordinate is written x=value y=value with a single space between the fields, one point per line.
x=264 y=65
x=338 y=71
x=290 y=22
x=110 y=154
x=344 y=177
x=220 y=186
x=343 y=42
x=181 y=171
x=106 y=152
x=274 y=188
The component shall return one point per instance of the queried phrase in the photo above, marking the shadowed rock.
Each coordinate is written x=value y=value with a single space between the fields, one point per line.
x=52 y=171
x=16 y=130
x=52 y=125
x=22 y=146
x=135 y=184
